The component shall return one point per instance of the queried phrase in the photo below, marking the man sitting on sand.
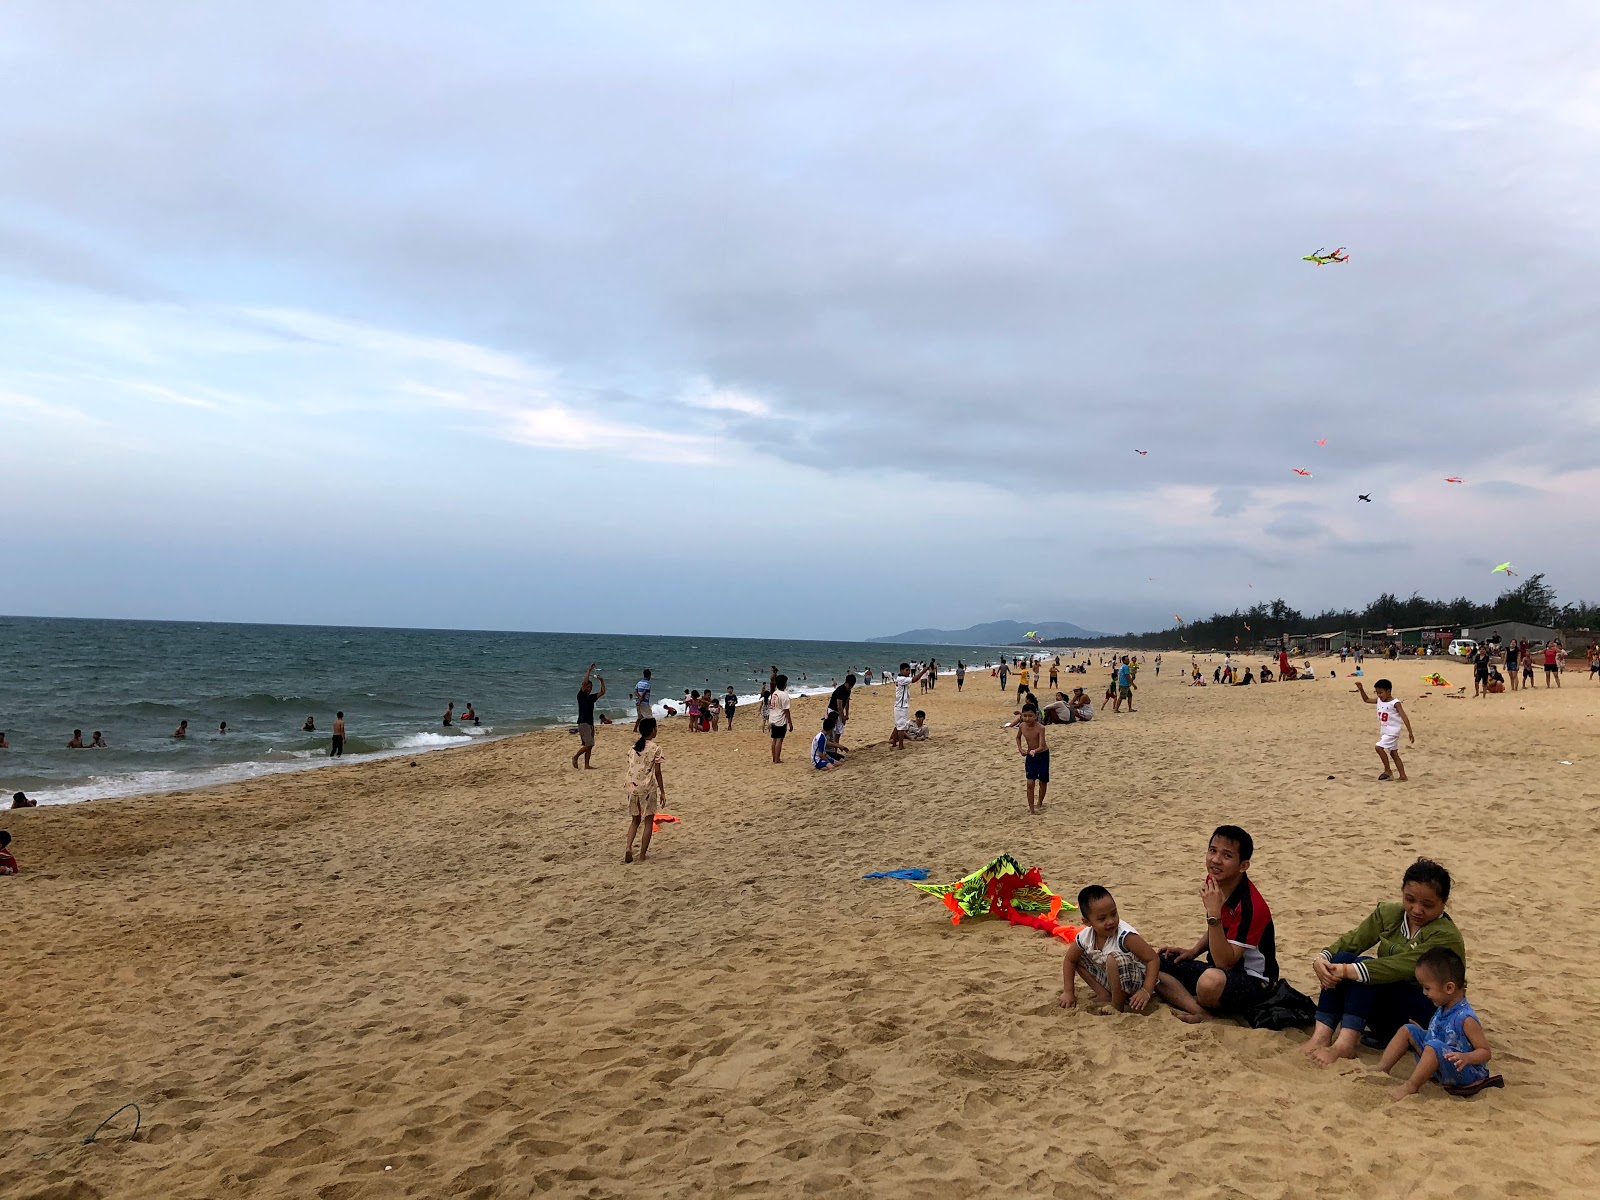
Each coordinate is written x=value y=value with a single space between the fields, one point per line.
x=1239 y=944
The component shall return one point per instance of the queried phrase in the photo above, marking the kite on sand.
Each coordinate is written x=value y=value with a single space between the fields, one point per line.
x=1322 y=257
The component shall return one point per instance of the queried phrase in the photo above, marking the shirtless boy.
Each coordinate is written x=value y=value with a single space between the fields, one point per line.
x=1035 y=756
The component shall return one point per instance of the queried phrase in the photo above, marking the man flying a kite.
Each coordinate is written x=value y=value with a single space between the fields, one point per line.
x=1321 y=256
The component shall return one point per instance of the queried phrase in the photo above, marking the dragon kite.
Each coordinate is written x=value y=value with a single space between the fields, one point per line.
x=1004 y=889
x=1322 y=257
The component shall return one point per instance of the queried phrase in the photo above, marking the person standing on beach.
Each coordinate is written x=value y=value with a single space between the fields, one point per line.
x=587 y=697
x=779 y=717
x=1388 y=745
x=641 y=700
x=839 y=704
x=1004 y=671
x=1125 y=686
x=1035 y=756
x=645 y=787
x=449 y=714
x=766 y=701
x=1552 y=664
x=336 y=742
x=961 y=674
x=730 y=703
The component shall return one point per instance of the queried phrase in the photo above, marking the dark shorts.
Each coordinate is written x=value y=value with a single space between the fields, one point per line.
x=336 y=747
x=1550 y=668
x=1240 y=994
x=779 y=732
x=1037 y=766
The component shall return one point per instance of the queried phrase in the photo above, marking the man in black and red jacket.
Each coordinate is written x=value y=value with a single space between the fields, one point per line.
x=1240 y=965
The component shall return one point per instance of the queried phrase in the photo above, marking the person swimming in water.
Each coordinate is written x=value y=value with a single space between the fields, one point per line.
x=77 y=740
x=450 y=713
x=182 y=731
x=470 y=715
x=97 y=742
x=310 y=726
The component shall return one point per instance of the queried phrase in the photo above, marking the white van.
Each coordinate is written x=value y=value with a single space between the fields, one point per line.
x=1463 y=648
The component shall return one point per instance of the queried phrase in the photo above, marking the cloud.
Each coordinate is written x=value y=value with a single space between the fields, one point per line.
x=775 y=233
x=557 y=428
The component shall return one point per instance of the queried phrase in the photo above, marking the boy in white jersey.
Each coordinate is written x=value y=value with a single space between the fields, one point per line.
x=1390 y=717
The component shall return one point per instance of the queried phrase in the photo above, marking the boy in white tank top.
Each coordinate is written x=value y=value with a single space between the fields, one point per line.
x=1390 y=717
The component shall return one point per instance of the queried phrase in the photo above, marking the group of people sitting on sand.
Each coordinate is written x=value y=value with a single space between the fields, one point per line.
x=1396 y=981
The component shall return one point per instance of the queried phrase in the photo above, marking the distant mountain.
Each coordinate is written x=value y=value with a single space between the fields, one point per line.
x=991 y=633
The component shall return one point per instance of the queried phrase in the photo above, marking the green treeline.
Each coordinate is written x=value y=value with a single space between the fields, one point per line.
x=1533 y=601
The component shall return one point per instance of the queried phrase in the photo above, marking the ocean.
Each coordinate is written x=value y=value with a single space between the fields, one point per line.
x=135 y=680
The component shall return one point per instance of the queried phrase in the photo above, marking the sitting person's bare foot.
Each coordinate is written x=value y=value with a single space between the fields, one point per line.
x=1199 y=1018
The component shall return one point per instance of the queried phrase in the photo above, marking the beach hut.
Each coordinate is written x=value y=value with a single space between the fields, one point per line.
x=1508 y=631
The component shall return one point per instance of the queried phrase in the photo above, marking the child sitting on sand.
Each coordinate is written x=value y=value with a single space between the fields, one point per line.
x=1452 y=1050
x=917 y=731
x=645 y=787
x=1390 y=717
x=820 y=758
x=1120 y=967
x=8 y=861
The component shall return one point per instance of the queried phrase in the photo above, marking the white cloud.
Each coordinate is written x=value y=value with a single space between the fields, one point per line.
x=702 y=393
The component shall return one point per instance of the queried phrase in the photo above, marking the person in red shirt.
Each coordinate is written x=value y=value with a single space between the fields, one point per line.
x=1552 y=665
x=1240 y=967
x=8 y=861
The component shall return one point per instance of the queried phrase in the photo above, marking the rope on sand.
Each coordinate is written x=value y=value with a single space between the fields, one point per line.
x=138 y=1118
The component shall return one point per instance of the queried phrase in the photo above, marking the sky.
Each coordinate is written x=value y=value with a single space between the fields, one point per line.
x=792 y=320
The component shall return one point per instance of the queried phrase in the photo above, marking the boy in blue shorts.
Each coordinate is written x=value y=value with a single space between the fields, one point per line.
x=1035 y=756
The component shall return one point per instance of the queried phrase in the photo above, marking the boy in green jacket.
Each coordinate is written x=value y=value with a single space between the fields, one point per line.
x=1380 y=991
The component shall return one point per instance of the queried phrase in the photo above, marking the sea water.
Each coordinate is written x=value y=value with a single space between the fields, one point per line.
x=135 y=680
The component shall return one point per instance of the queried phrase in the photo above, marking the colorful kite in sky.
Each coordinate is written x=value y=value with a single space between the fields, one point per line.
x=1298 y=471
x=1453 y=479
x=1141 y=452
x=1506 y=568
x=1322 y=441
x=1322 y=257
x=1177 y=618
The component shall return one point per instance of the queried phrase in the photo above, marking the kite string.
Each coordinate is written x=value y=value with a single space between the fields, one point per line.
x=138 y=1119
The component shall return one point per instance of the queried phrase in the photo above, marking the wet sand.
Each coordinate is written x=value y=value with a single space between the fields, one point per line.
x=386 y=980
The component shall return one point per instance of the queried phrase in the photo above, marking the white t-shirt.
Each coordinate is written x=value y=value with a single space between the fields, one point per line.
x=1389 y=722
x=902 y=691
x=778 y=708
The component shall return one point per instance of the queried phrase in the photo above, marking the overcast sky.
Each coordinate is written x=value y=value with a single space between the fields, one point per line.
x=815 y=319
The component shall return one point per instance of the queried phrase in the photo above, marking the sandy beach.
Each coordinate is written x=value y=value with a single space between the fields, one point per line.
x=439 y=979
